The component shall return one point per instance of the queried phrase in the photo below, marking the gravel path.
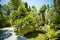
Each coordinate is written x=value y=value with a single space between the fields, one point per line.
x=9 y=34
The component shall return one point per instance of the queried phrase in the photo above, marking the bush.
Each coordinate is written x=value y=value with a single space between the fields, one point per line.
x=56 y=35
x=18 y=14
x=27 y=24
x=53 y=17
x=4 y=20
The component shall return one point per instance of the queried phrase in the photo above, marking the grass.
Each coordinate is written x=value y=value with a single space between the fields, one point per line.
x=35 y=35
x=41 y=36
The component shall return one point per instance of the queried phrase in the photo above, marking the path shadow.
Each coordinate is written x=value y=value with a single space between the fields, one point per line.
x=5 y=34
x=33 y=34
x=21 y=38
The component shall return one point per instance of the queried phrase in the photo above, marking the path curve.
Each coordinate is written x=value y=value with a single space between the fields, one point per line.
x=9 y=34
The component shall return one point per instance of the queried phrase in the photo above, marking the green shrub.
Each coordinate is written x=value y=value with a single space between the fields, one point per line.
x=53 y=17
x=56 y=35
x=27 y=24
x=18 y=14
x=4 y=20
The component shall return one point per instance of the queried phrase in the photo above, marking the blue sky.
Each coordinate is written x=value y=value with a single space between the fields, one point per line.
x=37 y=3
x=4 y=1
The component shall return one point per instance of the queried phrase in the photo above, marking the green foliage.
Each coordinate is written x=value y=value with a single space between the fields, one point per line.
x=22 y=10
x=25 y=19
x=6 y=8
x=3 y=20
x=18 y=14
x=34 y=9
x=43 y=8
x=56 y=35
x=26 y=5
x=42 y=13
x=15 y=3
x=56 y=5
x=27 y=24
x=29 y=8
x=53 y=17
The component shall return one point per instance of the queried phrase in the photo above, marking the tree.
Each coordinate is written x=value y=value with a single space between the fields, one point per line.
x=18 y=14
x=15 y=3
x=53 y=18
x=22 y=10
x=0 y=7
x=6 y=9
x=48 y=8
x=27 y=24
x=57 y=5
x=26 y=5
x=34 y=8
x=29 y=8
x=42 y=10
x=4 y=21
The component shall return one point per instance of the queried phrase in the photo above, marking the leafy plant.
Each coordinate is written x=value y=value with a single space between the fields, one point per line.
x=27 y=24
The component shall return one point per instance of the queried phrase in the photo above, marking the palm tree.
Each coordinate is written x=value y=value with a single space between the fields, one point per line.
x=42 y=11
x=34 y=8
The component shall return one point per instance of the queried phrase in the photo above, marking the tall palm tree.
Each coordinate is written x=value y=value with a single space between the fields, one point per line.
x=42 y=10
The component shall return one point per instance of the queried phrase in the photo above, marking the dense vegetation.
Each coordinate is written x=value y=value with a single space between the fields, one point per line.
x=29 y=22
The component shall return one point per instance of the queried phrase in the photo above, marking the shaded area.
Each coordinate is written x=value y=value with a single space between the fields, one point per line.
x=33 y=34
x=21 y=38
x=58 y=37
x=5 y=34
